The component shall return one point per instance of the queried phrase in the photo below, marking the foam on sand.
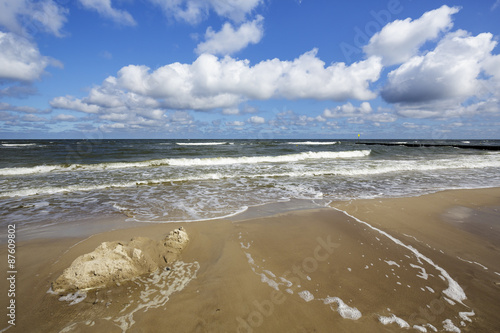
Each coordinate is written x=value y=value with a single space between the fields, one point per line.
x=344 y=310
x=306 y=295
x=158 y=289
x=454 y=291
x=154 y=292
x=393 y=319
x=450 y=327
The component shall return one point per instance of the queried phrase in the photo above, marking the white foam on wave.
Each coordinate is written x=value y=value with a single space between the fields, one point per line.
x=268 y=159
x=200 y=143
x=371 y=168
x=312 y=143
x=15 y=145
x=186 y=162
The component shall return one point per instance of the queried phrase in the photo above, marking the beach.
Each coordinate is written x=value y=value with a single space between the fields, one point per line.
x=421 y=263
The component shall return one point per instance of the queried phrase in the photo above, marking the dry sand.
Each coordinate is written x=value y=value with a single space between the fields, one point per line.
x=430 y=261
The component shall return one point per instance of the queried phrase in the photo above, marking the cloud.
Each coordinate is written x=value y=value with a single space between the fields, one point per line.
x=256 y=120
x=33 y=118
x=495 y=5
x=399 y=40
x=106 y=55
x=22 y=109
x=231 y=111
x=235 y=123
x=29 y=17
x=104 y=8
x=491 y=65
x=20 y=60
x=71 y=103
x=228 y=40
x=289 y=120
x=449 y=109
x=64 y=117
x=348 y=110
x=210 y=83
x=194 y=11
x=358 y=115
x=450 y=71
x=19 y=90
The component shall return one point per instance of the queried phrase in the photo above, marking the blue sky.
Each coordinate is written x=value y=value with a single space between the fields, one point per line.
x=249 y=69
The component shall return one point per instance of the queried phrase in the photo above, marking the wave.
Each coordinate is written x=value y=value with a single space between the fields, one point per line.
x=200 y=143
x=212 y=161
x=346 y=171
x=312 y=143
x=268 y=159
x=15 y=145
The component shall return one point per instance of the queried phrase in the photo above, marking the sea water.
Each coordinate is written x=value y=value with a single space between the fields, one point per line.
x=47 y=182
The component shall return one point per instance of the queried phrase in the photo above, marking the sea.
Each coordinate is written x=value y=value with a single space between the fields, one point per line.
x=55 y=182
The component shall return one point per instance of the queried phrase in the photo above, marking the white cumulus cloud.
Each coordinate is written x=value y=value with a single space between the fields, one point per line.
x=348 y=110
x=20 y=60
x=230 y=40
x=450 y=71
x=400 y=40
x=211 y=82
x=256 y=120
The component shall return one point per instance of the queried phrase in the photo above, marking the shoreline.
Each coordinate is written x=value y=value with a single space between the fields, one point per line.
x=245 y=270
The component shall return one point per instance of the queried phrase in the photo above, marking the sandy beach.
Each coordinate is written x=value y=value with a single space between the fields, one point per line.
x=423 y=264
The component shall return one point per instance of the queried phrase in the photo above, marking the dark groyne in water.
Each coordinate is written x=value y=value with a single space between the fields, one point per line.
x=417 y=144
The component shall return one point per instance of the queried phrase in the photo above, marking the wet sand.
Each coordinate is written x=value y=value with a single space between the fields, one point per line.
x=387 y=265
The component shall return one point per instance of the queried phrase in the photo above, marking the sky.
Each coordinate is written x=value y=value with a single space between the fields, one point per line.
x=255 y=69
